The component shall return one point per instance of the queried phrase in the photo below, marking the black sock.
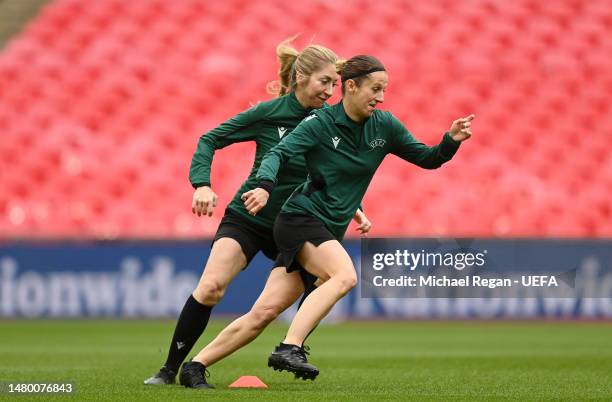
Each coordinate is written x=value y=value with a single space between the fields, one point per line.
x=189 y=327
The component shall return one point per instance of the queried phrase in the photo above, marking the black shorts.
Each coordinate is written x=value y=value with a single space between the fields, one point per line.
x=254 y=238
x=251 y=237
x=291 y=231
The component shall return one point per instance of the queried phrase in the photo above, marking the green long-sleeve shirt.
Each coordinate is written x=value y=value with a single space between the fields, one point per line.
x=342 y=157
x=266 y=123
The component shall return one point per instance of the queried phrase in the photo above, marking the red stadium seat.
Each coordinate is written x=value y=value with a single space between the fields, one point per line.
x=103 y=103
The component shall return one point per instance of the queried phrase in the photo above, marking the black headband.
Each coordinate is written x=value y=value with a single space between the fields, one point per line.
x=359 y=74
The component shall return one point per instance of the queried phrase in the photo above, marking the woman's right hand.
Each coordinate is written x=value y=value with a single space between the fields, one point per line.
x=204 y=200
x=255 y=200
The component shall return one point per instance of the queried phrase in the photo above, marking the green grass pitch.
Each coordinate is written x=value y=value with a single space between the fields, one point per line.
x=369 y=361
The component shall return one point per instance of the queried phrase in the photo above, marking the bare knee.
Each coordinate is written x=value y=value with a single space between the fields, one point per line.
x=346 y=282
x=209 y=292
x=263 y=315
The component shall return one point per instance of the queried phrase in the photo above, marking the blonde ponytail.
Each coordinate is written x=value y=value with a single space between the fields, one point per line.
x=287 y=56
x=306 y=62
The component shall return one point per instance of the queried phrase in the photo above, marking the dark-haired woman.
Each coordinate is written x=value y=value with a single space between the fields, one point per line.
x=343 y=146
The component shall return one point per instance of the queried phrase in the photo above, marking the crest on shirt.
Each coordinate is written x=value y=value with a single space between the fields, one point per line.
x=336 y=141
x=281 y=131
x=379 y=142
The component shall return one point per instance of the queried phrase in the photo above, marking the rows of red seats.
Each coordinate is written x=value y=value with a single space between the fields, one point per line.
x=102 y=104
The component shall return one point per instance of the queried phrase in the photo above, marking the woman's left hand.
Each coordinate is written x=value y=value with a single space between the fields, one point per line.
x=363 y=222
x=461 y=129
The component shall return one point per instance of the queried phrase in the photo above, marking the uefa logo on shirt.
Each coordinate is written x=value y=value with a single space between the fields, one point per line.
x=379 y=142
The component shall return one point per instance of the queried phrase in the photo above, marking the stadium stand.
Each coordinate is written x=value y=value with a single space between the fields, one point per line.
x=102 y=104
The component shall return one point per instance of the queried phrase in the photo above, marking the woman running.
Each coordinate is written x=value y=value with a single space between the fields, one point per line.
x=343 y=146
x=307 y=80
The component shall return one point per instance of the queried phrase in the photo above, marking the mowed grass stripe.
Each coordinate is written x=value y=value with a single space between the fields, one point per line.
x=109 y=359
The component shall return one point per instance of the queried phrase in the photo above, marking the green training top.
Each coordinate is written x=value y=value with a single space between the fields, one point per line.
x=265 y=123
x=341 y=157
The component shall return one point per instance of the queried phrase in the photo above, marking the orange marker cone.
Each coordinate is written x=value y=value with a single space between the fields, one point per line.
x=248 y=381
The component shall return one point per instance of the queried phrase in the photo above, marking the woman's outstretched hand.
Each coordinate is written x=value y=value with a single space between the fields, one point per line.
x=461 y=129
